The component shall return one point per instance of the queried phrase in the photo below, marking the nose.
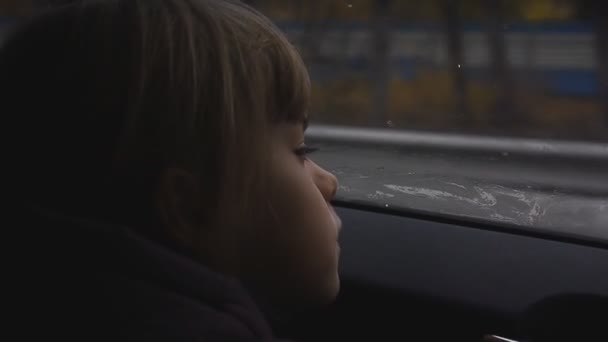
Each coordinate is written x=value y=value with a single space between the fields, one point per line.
x=325 y=181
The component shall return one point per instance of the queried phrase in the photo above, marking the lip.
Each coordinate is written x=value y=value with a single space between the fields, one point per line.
x=336 y=219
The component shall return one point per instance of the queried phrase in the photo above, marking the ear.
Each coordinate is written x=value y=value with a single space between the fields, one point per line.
x=179 y=199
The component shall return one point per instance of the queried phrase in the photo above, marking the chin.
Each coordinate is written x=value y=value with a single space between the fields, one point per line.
x=320 y=296
x=336 y=287
x=331 y=291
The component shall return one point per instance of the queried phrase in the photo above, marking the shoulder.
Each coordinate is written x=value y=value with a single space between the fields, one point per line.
x=78 y=282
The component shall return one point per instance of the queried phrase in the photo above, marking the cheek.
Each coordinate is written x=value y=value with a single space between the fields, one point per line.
x=299 y=238
x=300 y=208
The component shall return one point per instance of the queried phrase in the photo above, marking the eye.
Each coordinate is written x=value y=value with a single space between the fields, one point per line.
x=304 y=150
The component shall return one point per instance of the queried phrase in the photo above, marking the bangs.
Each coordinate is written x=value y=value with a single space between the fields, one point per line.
x=291 y=84
x=276 y=80
x=287 y=89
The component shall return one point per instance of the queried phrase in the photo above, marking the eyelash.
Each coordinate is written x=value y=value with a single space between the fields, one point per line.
x=303 y=151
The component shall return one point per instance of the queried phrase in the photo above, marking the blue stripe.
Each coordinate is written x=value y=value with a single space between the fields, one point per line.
x=515 y=27
x=558 y=81
x=572 y=82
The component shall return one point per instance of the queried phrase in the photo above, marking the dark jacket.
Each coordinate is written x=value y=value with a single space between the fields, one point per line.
x=74 y=279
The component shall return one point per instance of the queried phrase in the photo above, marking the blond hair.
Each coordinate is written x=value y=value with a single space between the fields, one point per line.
x=105 y=95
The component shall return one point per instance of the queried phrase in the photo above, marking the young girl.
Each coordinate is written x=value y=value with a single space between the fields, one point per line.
x=161 y=169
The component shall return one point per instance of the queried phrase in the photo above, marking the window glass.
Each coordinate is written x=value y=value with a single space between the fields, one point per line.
x=529 y=68
x=420 y=81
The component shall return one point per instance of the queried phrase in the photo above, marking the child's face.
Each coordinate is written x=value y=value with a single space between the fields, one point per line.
x=293 y=252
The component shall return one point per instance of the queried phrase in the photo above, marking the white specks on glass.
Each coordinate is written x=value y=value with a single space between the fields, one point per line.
x=379 y=195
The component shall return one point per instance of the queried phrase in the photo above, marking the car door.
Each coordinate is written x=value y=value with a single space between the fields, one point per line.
x=445 y=276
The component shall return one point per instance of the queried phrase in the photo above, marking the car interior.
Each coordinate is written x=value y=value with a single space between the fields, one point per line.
x=405 y=277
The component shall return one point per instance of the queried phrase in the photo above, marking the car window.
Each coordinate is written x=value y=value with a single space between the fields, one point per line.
x=493 y=110
x=490 y=110
x=524 y=68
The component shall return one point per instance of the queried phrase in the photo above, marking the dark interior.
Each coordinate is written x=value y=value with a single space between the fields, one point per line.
x=407 y=279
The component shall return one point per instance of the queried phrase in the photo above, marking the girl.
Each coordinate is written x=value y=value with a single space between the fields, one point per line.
x=161 y=170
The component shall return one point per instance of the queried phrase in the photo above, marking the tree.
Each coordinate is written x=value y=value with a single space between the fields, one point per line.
x=503 y=109
x=454 y=33
x=596 y=12
x=380 y=60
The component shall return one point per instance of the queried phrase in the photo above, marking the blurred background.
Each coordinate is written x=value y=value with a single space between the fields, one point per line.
x=521 y=68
